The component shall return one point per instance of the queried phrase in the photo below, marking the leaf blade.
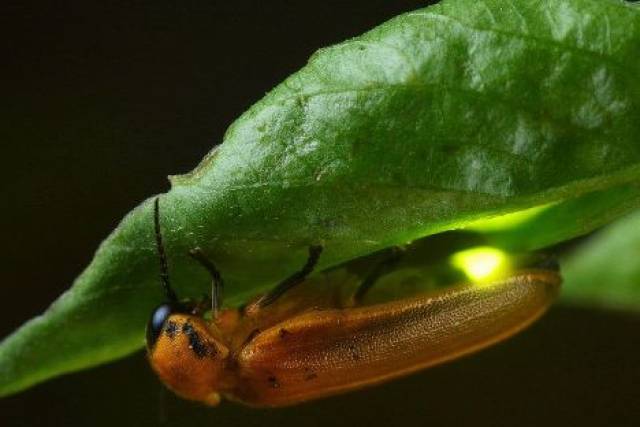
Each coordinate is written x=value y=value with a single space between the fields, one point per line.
x=605 y=271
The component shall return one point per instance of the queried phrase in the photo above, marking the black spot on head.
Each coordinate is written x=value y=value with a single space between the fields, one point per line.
x=157 y=322
x=170 y=329
x=273 y=382
x=200 y=348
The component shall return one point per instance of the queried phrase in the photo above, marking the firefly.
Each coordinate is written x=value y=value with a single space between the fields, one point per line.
x=287 y=347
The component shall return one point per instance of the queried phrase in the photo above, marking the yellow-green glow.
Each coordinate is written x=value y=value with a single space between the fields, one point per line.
x=508 y=221
x=481 y=263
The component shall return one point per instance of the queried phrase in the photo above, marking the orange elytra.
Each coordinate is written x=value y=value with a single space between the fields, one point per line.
x=282 y=350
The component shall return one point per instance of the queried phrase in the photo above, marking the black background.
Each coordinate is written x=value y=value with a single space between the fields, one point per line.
x=100 y=101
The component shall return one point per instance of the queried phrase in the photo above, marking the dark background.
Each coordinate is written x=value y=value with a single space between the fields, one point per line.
x=101 y=101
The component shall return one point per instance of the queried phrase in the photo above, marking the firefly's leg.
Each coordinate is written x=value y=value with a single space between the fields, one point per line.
x=379 y=270
x=217 y=284
x=293 y=280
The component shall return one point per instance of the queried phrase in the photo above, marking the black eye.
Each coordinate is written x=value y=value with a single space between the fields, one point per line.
x=156 y=323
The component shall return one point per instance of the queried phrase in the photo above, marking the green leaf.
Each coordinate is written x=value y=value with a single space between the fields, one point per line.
x=433 y=121
x=545 y=225
x=605 y=272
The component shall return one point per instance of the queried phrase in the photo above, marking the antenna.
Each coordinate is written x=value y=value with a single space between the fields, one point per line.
x=164 y=269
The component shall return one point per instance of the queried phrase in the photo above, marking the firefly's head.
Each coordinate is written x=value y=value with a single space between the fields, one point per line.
x=187 y=353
